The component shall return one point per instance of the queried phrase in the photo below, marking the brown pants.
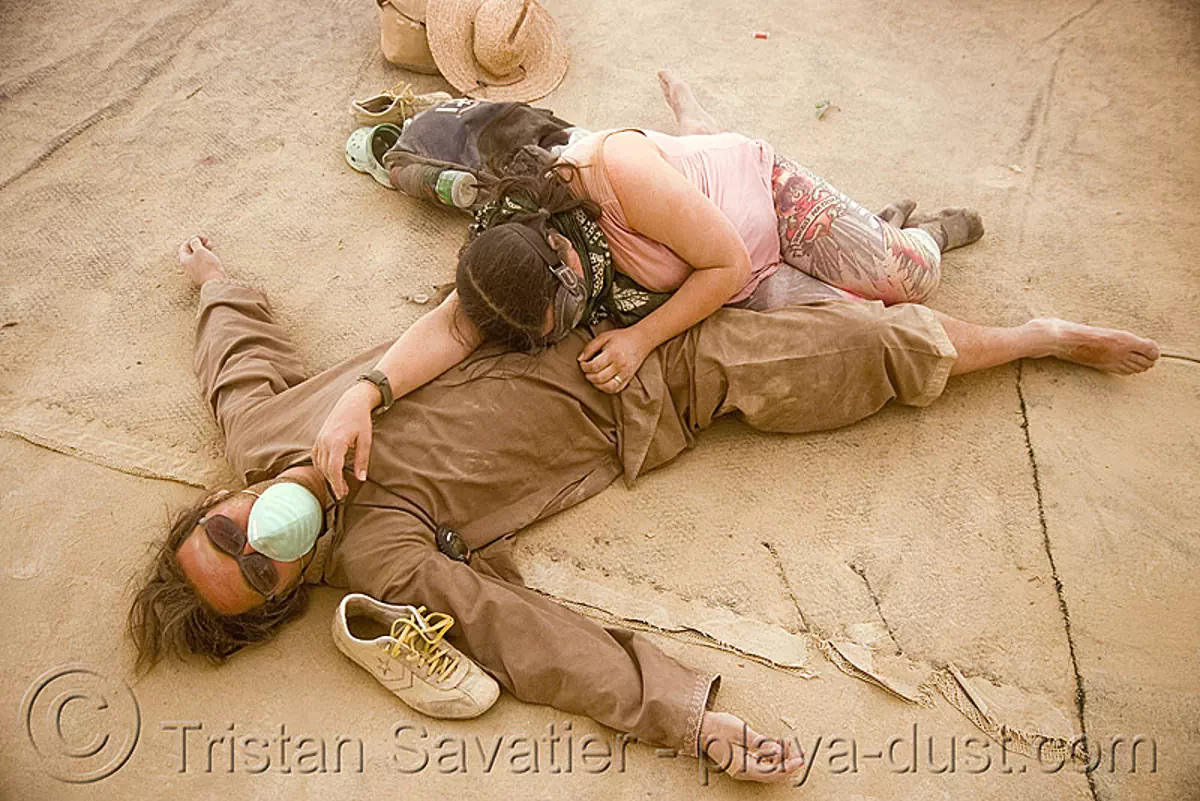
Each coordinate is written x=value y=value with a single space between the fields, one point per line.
x=474 y=450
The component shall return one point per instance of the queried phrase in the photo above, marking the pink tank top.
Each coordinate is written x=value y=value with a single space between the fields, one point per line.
x=732 y=171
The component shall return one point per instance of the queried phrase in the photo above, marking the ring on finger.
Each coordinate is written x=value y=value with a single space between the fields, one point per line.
x=618 y=379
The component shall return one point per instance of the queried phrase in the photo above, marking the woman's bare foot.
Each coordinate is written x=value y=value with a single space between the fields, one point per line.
x=199 y=262
x=691 y=116
x=1106 y=349
x=744 y=753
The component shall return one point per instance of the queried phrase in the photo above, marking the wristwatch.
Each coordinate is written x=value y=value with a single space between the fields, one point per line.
x=380 y=380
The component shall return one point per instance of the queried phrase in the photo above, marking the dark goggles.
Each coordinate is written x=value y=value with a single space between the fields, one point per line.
x=229 y=538
x=570 y=300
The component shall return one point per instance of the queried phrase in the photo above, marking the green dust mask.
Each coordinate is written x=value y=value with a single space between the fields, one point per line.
x=285 y=522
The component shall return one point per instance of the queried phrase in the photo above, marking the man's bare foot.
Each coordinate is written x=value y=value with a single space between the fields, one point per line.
x=691 y=116
x=1105 y=349
x=199 y=262
x=744 y=753
x=898 y=214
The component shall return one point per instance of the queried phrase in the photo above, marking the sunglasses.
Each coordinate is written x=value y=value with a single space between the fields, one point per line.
x=229 y=538
x=571 y=296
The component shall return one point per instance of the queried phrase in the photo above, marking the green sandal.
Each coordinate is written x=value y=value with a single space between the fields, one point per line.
x=365 y=149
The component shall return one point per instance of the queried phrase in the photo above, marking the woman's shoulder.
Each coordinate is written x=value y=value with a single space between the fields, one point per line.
x=592 y=149
x=593 y=157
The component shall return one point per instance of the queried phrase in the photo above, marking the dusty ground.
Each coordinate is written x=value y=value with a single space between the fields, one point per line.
x=1034 y=531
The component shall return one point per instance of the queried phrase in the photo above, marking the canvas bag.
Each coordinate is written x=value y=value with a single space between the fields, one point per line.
x=478 y=136
x=402 y=35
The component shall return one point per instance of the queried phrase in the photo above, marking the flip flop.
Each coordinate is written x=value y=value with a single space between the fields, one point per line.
x=365 y=149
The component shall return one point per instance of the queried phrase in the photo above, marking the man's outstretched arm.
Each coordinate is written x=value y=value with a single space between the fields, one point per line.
x=242 y=356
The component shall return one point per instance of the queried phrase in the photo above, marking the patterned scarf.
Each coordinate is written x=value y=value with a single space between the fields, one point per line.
x=610 y=294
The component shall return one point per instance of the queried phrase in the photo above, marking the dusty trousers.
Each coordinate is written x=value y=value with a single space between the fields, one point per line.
x=506 y=439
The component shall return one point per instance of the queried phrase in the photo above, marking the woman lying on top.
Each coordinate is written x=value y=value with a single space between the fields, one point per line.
x=657 y=232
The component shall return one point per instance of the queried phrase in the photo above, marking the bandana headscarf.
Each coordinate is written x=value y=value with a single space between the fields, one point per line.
x=610 y=294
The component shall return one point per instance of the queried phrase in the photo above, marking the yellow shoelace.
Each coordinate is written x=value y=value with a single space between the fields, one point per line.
x=403 y=92
x=419 y=639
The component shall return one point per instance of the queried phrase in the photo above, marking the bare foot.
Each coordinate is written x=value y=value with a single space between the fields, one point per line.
x=898 y=214
x=199 y=262
x=691 y=116
x=1106 y=349
x=744 y=753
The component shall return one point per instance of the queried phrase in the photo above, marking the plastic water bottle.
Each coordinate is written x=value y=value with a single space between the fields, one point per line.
x=449 y=187
x=457 y=188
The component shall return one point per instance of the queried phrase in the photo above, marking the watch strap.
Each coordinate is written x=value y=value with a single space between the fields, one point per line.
x=380 y=380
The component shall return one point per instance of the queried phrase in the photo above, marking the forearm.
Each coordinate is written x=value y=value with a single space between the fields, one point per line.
x=241 y=356
x=430 y=347
x=701 y=294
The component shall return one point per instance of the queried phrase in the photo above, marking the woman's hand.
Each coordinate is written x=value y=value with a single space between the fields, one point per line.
x=612 y=359
x=347 y=426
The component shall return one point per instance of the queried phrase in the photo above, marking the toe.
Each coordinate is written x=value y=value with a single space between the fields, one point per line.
x=1149 y=348
x=975 y=223
x=666 y=80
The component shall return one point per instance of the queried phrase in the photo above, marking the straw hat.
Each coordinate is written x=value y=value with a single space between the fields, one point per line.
x=497 y=49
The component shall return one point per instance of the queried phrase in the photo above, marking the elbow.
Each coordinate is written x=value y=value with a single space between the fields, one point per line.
x=448 y=308
x=739 y=274
x=459 y=324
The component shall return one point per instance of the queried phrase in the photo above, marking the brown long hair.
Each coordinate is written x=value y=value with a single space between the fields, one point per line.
x=504 y=287
x=169 y=618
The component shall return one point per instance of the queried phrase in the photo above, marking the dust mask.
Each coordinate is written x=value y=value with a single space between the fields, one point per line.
x=285 y=522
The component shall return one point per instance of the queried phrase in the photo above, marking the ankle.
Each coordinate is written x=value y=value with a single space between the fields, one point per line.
x=938 y=232
x=1043 y=337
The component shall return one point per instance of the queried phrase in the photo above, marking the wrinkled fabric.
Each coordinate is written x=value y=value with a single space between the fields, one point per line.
x=481 y=451
x=479 y=136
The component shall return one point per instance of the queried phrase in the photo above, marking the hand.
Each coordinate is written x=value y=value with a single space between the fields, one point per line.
x=612 y=359
x=199 y=262
x=347 y=426
x=744 y=753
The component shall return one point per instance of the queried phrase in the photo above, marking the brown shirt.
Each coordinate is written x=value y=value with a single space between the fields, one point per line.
x=506 y=439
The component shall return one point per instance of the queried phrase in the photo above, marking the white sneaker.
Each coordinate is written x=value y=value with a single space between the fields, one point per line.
x=403 y=647
x=397 y=106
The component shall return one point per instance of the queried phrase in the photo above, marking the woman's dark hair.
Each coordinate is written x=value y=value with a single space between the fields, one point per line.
x=168 y=617
x=504 y=286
